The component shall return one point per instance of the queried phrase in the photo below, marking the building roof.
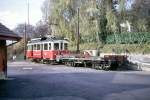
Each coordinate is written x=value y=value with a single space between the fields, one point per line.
x=7 y=34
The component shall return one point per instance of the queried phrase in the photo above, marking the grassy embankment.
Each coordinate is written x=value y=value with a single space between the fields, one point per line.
x=119 y=48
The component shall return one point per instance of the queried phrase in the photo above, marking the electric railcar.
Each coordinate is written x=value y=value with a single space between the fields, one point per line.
x=47 y=48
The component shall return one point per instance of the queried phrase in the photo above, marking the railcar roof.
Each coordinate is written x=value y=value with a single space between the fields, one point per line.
x=49 y=39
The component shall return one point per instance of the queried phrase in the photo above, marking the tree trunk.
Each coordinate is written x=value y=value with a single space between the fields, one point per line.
x=109 y=4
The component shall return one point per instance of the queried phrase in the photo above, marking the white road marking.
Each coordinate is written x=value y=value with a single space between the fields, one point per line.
x=28 y=68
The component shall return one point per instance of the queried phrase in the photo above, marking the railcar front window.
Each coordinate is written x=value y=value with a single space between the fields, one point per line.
x=29 y=47
x=56 y=46
x=66 y=46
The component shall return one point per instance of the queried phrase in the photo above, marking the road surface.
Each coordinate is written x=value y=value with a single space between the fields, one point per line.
x=30 y=81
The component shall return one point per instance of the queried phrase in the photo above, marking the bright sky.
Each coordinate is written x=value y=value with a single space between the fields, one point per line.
x=13 y=12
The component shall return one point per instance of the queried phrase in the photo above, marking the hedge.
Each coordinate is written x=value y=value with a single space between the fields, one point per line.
x=129 y=38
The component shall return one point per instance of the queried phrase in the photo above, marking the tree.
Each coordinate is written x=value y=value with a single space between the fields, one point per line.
x=102 y=22
x=46 y=9
x=96 y=16
x=41 y=29
x=140 y=15
x=20 y=30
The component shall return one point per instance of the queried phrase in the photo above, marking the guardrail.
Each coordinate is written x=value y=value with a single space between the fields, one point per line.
x=142 y=61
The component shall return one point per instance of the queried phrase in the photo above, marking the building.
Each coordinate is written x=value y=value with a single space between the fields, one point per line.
x=5 y=35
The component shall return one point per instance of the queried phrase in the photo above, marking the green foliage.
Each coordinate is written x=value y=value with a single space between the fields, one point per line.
x=99 y=21
x=64 y=14
x=141 y=25
x=102 y=23
x=89 y=38
x=129 y=38
x=113 y=23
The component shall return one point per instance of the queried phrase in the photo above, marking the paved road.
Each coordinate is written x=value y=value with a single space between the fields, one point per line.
x=29 y=81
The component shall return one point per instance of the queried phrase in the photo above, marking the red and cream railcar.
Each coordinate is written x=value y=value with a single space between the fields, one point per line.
x=47 y=48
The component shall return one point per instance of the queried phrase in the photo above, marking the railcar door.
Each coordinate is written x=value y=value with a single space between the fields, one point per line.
x=61 y=46
x=41 y=51
x=32 y=50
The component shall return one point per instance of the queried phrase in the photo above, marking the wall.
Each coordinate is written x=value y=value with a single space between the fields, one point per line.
x=3 y=59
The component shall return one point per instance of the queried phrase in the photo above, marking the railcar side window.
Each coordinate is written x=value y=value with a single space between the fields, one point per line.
x=66 y=46
x=29 y=47
x=34 y=47
x=46 y=46
x=38 y=46
x=49 y=46
x=56 y=46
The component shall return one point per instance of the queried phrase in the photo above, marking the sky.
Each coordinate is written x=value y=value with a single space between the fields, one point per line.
x=14 y=12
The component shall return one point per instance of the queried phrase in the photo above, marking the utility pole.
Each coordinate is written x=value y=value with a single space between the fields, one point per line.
x=28 y=12
x=25 y=41
x=25 y=32
x=78 y=33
